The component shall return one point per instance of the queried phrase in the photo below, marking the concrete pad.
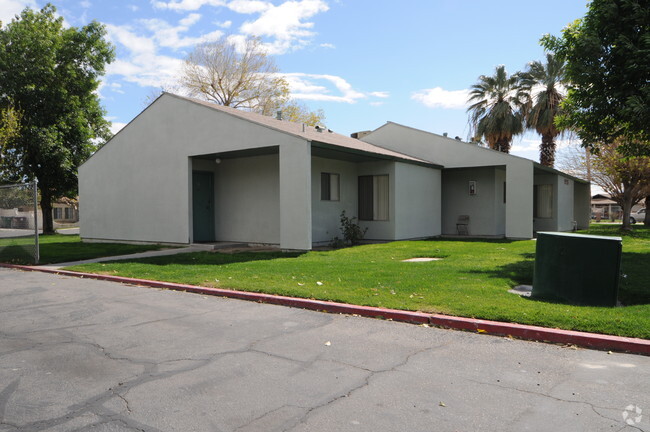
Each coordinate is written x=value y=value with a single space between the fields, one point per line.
x=422 y=259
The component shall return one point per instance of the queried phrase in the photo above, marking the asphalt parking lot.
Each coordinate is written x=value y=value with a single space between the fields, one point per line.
x=80 y=355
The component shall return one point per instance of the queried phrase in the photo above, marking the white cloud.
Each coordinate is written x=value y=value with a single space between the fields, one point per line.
x=525 y=145
x=284 y=23
x=379 y=94
x=166 y=35
x=528 y=144
x=190 y=20
x=133 y=8
x=186 y=5
x=143 y=65
x=327 y=45
x=125 y=36
x=10 y=8
x=303 y=86
x=117 y=126
x=438 y=97
x=224 y=24
x=85 y=4
x=249 y=6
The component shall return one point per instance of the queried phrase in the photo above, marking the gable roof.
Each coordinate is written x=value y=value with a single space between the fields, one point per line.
x=495 y=153
x=323 y=138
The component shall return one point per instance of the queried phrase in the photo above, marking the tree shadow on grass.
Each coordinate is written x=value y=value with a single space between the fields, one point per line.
x=520 y=272
x=469 y=240
x=17 y=254
x=634 y=285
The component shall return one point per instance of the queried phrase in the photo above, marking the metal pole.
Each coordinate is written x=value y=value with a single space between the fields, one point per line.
x=37 y=254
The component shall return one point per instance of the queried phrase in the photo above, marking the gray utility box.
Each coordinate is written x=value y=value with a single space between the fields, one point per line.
x=577 y=268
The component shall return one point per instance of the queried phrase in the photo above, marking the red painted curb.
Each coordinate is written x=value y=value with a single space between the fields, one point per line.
x=520 y=331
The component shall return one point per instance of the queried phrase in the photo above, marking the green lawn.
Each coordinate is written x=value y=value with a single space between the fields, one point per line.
x=60 y=248
x=471 y=280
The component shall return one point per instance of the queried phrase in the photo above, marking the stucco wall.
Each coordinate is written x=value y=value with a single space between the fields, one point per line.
x=548 y=224
x=582 y=204
x=295 y=196
x=500 y=204
x=414 y=200
x=565 y=201
x=326 y=214
x=137 y=187
x=482 y=208
x=456 y=154
x=417 y=201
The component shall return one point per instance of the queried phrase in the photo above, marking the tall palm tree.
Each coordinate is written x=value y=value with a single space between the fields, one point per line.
x=543 y=84
x=497 y=110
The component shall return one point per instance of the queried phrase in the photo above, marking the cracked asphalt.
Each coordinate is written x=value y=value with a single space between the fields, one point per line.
x=78 y=355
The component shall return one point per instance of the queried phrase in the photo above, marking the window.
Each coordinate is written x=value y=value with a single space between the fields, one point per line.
x=58 y=213
x=543 y=201
x=68 y=213
x=373 y=197
x=329 y=187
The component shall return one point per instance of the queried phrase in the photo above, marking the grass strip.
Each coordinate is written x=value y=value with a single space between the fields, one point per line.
x=471 y=279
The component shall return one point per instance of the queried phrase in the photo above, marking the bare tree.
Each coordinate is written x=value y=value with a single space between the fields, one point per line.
x=235 y=75
x=625 y=179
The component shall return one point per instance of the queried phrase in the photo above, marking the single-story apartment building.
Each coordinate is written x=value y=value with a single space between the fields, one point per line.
x=503 y=194
x=186 y=171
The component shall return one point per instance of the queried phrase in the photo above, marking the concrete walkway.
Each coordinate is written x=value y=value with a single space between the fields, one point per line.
x=78 y=354
x=163 y=252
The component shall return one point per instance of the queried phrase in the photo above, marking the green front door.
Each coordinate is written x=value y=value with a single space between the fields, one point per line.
x=203 y=206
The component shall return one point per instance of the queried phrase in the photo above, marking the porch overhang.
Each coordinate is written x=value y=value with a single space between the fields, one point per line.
x=332 y=151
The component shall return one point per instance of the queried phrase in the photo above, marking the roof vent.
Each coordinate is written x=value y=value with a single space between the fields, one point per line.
x=278 y=115
x=359 y=135
x=457 y=138
x=444 y=134
x=318 y=129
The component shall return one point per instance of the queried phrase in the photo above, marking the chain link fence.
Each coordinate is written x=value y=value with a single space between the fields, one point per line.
x=20 y=222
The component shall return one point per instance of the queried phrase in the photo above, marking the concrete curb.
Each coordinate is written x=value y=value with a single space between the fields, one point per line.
x=520 y=331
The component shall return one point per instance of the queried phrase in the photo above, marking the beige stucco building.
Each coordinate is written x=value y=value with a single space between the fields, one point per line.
x=186 y=171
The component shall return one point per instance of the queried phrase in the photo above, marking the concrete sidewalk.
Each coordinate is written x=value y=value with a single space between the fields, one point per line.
x=163 y=252
x=78 y=354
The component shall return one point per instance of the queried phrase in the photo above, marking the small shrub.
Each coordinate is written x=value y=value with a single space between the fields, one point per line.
x=352 y=232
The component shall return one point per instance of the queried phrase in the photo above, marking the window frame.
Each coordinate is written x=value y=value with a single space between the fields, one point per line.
x=368 y=198
x=326 y=186
x=536 y=201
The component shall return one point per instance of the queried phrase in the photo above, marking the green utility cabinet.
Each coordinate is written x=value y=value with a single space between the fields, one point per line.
x=576 y=268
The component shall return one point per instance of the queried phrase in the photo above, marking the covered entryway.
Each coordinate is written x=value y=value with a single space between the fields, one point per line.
x=236 y=197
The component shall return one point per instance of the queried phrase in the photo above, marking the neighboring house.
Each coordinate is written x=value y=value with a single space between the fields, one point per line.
x=603 y=206
x=65 y=211
x=503 y=195
x=186 y=171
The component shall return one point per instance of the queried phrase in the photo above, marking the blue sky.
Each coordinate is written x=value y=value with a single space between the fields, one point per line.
x=363 y=62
